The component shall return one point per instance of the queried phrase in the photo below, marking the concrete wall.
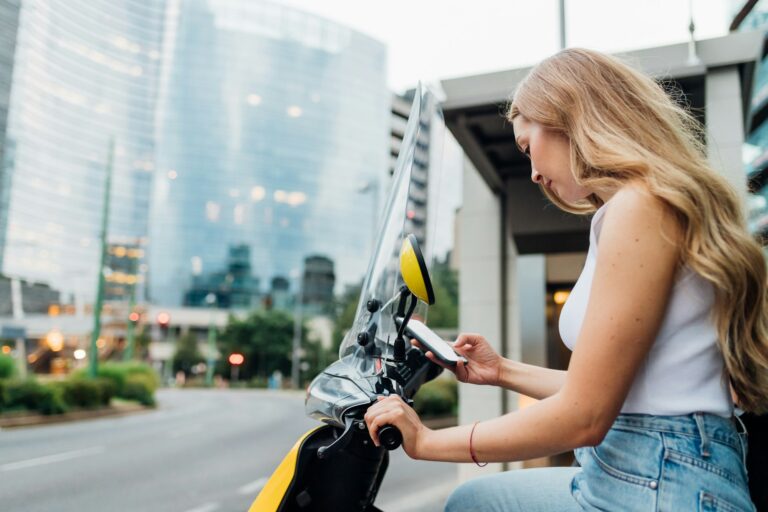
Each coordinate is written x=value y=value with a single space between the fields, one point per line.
x=725 y=125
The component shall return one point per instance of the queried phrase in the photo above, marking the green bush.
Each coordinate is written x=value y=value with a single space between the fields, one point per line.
x=139 y=387
x=118 y=374
x=7 y=366
x=86 y=393
x=3 y=395
x=107 y=390
x=34 y=396
x=258 y=382
x=437 y=398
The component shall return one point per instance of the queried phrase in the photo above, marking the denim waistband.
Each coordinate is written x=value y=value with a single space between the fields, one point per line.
x=700 y=425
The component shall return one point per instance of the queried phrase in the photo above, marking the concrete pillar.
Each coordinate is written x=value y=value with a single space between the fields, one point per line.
x=480 y=291
x=725 y=125
x=532 y=300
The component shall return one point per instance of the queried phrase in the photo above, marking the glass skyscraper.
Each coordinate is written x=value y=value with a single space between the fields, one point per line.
x=84 y=78
x=270 y=122
x=244 y=132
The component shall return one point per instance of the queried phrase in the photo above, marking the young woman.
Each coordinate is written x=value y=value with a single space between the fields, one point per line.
x=668 y=315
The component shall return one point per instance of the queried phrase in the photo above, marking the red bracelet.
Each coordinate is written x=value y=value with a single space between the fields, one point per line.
x=471 y=451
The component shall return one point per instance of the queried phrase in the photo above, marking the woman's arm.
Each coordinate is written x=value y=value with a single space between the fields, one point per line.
x=487 y=367
x=636 y=265
x=534 y=381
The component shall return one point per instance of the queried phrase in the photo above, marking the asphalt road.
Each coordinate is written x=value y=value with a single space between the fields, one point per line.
x=200 y=451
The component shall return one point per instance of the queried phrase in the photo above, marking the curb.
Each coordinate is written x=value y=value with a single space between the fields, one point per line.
x=32 y=420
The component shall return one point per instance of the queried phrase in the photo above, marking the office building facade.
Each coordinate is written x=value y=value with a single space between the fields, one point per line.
x=237 y=134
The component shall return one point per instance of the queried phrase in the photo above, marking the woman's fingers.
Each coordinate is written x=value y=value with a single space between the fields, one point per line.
x=461 y=371
x=438 y=362
x=385 y=412
x=380 y=421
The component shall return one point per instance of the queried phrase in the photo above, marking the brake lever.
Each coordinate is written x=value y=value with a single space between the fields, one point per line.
x=341 y=442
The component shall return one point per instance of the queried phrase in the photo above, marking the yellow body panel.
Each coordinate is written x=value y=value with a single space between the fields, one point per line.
x=412 y=274
x=272 y=494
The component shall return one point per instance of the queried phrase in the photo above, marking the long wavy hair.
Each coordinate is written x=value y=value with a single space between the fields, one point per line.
x=623 y=126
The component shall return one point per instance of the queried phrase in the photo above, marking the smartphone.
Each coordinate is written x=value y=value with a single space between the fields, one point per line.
x=431 y=341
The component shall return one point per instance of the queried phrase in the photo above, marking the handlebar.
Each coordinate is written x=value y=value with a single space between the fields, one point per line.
x=390 y=437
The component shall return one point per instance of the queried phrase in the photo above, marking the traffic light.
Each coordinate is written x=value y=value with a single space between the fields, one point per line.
x=235 y=360
x=163 y=321
x=134 y=317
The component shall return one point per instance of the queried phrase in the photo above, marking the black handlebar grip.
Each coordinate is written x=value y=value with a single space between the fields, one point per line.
x=390 y=437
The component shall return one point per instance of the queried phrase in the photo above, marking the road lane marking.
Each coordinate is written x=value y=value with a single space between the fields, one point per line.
x=207 y=507
x=49 y=459
x=253 y=487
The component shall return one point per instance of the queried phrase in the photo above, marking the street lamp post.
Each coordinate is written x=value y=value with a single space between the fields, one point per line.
x=210 y=300
x=93 y=362
x=296 y=352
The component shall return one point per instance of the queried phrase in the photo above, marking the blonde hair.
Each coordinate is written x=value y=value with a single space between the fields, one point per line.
x=624 y=127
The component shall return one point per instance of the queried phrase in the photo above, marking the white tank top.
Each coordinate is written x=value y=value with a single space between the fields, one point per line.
x=684 y=370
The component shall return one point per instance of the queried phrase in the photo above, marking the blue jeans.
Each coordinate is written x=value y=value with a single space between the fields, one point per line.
x=645 y=463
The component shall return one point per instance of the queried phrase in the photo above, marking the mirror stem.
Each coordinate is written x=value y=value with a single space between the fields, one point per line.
x=399 y=352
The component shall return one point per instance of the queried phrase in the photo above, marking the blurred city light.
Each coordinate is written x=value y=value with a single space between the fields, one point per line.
x=163 y=318
x=561 y=296
x=80 y=354
x=236 y=359
x=55 y=340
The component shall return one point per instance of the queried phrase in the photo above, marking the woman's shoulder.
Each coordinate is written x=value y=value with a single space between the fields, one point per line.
x=635 y=208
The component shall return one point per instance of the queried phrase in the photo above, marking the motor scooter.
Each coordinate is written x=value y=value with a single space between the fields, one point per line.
x=336 y=466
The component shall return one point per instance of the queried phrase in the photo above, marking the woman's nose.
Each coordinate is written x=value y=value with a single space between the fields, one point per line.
x=535 y=177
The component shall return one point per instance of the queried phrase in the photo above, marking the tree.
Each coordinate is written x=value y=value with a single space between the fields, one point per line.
x=187 y=355
x=265 y=338
x=345 y=316
x=445 y=311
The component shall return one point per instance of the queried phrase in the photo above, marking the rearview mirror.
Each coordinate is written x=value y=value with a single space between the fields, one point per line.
x=413 y=268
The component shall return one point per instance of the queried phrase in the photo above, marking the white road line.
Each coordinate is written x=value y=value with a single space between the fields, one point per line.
x=49 y=459
x=207 y=507
x=253 y=487
x=420 y=499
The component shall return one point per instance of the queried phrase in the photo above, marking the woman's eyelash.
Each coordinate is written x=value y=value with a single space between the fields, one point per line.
x=527 y=152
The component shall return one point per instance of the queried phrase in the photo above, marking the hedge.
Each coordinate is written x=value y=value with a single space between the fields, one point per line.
x=131 y=381
x=118 y=374
x=437 y=398
x=140 y=387
x=32 y=395
x=88 y=394
x=7 y=366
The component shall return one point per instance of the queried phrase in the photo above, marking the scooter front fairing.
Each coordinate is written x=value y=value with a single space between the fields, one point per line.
x=337 y=467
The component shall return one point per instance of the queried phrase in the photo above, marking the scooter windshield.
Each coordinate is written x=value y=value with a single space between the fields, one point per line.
x=383 y=280
x=355 y=379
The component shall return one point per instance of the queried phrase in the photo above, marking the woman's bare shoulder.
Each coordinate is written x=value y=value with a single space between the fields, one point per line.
x=634 y=204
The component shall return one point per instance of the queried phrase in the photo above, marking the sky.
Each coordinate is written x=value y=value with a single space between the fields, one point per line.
x=429 y=40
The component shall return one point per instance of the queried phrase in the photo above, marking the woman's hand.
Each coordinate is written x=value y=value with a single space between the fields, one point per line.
x=393 y=411
x=484 y=365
